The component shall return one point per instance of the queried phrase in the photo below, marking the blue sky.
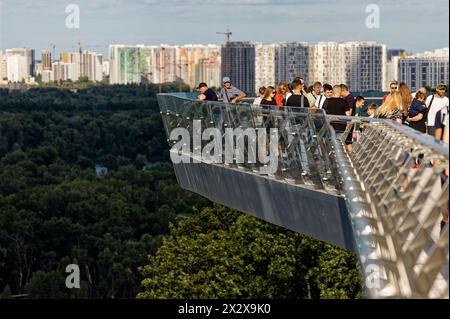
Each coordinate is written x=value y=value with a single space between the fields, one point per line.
x=415 y=25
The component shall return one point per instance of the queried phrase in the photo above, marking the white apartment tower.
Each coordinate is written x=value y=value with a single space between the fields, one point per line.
x=360 y=65
x=3 y=70
x=264 y=65
x=331 y=63
x=366 y=70
x=424 y=69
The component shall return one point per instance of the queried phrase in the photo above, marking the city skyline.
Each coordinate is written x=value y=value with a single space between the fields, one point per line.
x=364 y=66
x=153 y=22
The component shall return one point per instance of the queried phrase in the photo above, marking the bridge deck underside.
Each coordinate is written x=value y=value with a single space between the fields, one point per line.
x=314 y=213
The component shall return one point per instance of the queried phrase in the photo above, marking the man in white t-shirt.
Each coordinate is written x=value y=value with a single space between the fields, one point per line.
x=435 y=103
x=327 y=93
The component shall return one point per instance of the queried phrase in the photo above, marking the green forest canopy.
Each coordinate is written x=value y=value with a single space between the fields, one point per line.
x=56 y=209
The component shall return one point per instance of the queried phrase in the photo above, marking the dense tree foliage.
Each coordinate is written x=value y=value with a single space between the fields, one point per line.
x=85 y=179
x=54 y=207
x=220 y=253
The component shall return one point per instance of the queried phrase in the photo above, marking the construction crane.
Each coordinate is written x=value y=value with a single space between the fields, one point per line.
x=227 y=64
x=228 y=34
x=79 y=46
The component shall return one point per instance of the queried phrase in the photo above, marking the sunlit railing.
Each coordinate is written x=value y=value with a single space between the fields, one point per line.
x=396 y=185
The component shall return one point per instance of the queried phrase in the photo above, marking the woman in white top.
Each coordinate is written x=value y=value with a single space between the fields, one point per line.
x=261 y=92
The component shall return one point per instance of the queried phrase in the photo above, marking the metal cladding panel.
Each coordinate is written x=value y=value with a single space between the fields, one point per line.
x=310 y=212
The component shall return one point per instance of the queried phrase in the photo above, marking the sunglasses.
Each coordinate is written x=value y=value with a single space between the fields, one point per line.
x=393 y=88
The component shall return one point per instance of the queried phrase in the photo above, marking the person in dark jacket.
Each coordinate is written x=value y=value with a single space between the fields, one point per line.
x=206 y=94
x=297 y=98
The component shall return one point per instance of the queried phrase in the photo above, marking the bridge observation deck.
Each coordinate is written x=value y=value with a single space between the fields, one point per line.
x=383 y=199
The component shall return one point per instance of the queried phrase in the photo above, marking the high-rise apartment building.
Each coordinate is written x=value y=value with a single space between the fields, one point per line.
x=28 y=54
x=238 y=63
x=190 y=64
x=46 y=60
x=46 y=76
x=424 y=69
x=89 y=64
x=21 y=63
x=366 y=70
x=199 y=63
x=331 y=63
x=391 y=72
x=92 y=66
x=105 y=68
x=64 y=71
x=67 y=57
x=208 y=67
x=72 y=57
x=125 y=64
x=264 y=65
x=360 y=65
x=17 y=68
x=3 y=70
x=292 y=60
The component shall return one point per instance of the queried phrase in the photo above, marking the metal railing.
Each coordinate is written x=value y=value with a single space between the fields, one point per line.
x=396 y=186
x=394 y=180
x=304 y=141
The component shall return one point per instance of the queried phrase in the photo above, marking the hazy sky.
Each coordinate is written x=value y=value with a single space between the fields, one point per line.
x=415 y=25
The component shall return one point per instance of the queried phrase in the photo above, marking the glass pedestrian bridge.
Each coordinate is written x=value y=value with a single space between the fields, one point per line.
x=383 y=199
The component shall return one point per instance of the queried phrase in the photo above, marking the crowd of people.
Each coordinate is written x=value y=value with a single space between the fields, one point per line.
x=424 y=112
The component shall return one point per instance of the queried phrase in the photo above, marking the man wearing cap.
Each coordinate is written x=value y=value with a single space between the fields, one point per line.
x=206 y=94
x=229 y=93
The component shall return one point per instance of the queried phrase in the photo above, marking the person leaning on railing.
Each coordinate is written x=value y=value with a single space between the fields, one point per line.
x=417 y=113
x=206 y=94
x=229 y=93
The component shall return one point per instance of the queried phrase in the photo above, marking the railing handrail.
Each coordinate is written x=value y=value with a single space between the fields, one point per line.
x=421 y=138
